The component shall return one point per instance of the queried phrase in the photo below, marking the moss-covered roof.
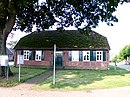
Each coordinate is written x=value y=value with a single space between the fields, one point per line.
x=68 y=39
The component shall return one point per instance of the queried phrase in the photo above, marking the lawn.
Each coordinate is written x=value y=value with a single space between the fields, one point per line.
x=87 y=80
x=26 y=73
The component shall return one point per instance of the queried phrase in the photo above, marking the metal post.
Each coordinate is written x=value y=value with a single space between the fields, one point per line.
x=20 y=61
x=19 y=72
x=54 y=65
x=8 y=72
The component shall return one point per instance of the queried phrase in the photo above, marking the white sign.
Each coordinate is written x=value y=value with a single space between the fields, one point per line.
x=20 y=59
x=4 y=60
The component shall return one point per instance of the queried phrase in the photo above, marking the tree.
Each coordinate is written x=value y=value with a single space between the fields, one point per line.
x=115 y=59
x=124 y=53
x=128 y=53
x=23 y=14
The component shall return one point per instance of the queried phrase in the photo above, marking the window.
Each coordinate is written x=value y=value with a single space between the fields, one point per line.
x=80 y=55
x=70 y=56
x=99 y=55
x=26 y=54
x=38 y=56
x=86 y=55
x=75 y=55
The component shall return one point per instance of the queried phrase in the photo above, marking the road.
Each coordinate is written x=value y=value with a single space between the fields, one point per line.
x=126 y=67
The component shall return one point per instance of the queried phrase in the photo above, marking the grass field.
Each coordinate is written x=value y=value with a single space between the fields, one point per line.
x=26 y=73
x=87 y=80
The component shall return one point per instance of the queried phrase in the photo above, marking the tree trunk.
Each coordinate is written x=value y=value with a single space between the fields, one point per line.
x=3 y=69
x=4 y=32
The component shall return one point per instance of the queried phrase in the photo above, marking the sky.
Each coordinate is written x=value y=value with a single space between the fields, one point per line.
x=118 y=35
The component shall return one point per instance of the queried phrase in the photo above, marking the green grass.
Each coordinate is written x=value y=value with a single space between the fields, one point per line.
x=26 y=73
x=87 y=80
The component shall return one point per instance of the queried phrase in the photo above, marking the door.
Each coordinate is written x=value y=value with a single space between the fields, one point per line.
x=59 y=59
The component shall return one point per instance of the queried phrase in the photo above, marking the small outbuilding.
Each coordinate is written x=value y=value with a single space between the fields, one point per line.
x=74 y=50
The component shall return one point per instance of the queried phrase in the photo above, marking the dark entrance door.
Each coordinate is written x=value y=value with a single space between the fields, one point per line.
x=58 y=59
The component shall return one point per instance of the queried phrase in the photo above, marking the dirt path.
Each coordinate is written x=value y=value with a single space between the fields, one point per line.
x=29 y=84
x=116 y=92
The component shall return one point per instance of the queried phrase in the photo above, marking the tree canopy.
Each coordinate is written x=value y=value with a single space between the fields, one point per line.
x=124 y=53
x=115 y=59
x=65 y=13
x=24 y=14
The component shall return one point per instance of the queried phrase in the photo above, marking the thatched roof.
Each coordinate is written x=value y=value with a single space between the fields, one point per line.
x=68 y=39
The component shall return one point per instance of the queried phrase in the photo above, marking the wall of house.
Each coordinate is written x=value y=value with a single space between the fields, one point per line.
x=85 y=64
x=47 y=62
x=67 y=64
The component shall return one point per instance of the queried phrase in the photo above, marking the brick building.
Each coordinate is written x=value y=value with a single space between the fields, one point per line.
x=74 y=50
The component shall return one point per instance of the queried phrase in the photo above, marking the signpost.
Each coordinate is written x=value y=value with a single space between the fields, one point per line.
x=4 y=62
x=19 y=62
x=54 y=77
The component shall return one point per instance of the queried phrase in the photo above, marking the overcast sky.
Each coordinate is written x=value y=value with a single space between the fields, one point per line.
x=118 y=35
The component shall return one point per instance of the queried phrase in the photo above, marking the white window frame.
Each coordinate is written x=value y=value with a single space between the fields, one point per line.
x=87 y=54
x=100 y=55
x=26 y=54
x=38 y=55
x=75 y=55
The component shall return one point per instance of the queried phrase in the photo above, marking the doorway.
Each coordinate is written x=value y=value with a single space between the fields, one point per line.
x=59 y=58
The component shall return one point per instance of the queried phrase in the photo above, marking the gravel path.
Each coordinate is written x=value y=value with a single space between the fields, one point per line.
x=116 y=92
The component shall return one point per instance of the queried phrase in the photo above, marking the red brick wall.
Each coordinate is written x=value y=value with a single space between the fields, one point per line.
x=17 y=52
x=87 y=65
x=37 y=63
x=84 y=64
x=48 y=61
x=48 y=55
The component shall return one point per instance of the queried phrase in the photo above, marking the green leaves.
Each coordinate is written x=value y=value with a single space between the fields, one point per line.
x=115 y=59
x=33 y=13
x=87 y=12
x=79 y=13
x=3 y=12
x=124 y=53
